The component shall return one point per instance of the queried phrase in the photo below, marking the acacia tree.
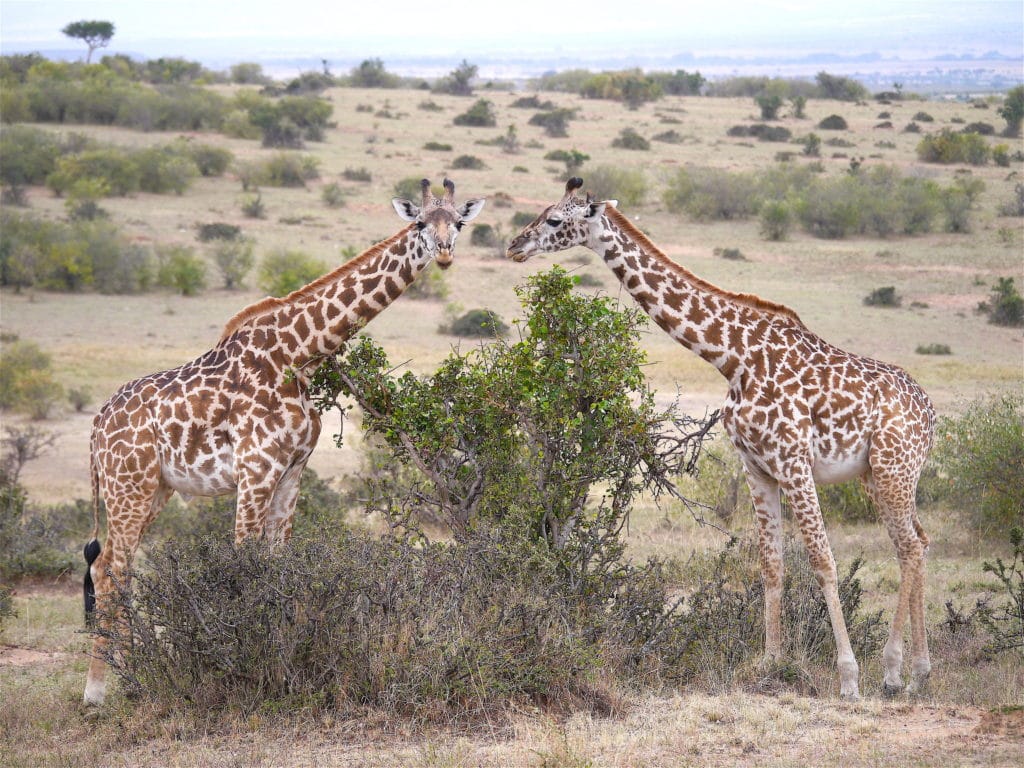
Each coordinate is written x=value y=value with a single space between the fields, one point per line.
x=554 y=435
x=1012 y=111
x=95 y=34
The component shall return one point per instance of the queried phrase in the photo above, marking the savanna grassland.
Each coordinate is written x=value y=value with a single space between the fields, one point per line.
x=99 y=341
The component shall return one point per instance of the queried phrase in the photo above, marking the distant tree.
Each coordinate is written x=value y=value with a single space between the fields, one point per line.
x=371 y=74
x=457 y=82
x=95 y=34
x=841 y=88
x=1012 y=111
x=771 y=99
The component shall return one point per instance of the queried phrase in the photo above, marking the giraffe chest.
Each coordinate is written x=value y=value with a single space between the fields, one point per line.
x=826 y=431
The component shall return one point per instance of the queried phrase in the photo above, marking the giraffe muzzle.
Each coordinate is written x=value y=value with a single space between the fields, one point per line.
x=444 y=258
x=518 y=251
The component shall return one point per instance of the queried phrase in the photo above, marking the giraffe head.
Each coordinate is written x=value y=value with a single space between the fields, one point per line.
x=562 y=225
x=438 y=219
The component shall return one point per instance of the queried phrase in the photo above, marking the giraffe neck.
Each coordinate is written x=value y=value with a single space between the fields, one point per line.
x=716 y=324
x=318 y=318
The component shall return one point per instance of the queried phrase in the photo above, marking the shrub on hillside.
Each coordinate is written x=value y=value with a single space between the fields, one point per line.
x=1005 y=305
x=628 y=138
x=283 y=271
x=885 y=296
x=27 y=382
x=980 y=455
x=468 y=162
x=180 y=268
x=234 y=259
x=833 y=123
x=948 y=146
x=709 y=193
x=69 y=257
x=481 y=114
x=554 y=122
x=608 y=182
x=477 y=324
x=285 y=169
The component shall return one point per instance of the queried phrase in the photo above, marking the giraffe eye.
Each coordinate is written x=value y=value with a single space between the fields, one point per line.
x=554 y=222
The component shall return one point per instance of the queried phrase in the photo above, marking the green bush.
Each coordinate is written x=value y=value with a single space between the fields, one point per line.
x=285 y=169
x=483 y=236
x=554 y=122
x=572 y=158
x=290 y=121
x=933 y=349
x=218 y=230
x=357 y=174
x=847 y=502
x=948 y=146
x=980 y=457
x=885 y=296
x=234 y=259
x=478 y=323
x=209 y=160
x=429 y=284
x=833 y=123
x=608 y=182
x=481 y=114
x=29 y=156
x=631 y=86
x=113 y=167
x=776 y=220
x=437 y=146
x=333 y=195
x=283 y=271
x=69 y=257
x=27 y=383
x=182 y=269
x=709 y=193
x=1005 y=305
x=1005 y=623
x=628 y=138
x=468 y=162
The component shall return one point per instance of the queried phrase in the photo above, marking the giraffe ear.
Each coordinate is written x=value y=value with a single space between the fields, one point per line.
x=469 y=209
x=406 y=209
x=596 y=210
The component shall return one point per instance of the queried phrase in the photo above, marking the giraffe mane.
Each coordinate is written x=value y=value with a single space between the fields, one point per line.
x=749 y=300
x=270 y=303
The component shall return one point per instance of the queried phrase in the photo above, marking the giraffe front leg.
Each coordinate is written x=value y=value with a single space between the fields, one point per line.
x=803 y=499
x=764 y=491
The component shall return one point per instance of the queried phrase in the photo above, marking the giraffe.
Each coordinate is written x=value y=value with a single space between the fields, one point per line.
x=799 y=411
x=237 y=419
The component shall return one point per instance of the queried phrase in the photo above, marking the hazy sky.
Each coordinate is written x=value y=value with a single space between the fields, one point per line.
x=420 y=27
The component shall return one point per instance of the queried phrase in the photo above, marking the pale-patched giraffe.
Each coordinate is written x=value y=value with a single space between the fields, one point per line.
x=799 y=412
x=237 y=419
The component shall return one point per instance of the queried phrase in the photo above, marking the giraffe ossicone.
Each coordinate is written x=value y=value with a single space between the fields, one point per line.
x=799 y=411
x=237 y=419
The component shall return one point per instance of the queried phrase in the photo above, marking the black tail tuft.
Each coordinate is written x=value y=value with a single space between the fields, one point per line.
x=91 y=552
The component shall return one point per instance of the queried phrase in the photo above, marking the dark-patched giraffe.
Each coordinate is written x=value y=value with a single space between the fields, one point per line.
x=799 y=412
x=237 y=419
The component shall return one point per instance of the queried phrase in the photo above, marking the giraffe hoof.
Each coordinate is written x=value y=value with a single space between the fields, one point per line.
x=890 y=690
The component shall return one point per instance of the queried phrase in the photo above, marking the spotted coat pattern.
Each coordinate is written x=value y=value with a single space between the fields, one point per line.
x=237 y=419
x=799 y=411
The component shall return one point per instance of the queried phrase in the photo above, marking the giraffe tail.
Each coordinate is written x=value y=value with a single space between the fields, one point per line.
x=92 y=549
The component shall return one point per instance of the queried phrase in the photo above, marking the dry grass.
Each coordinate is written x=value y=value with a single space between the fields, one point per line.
x=102 y=341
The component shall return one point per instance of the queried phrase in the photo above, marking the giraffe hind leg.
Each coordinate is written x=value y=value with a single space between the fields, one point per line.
x=895 y=503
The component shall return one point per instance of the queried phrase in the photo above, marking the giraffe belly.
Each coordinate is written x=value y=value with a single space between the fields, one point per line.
x=837 y=469
x=211 y=475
